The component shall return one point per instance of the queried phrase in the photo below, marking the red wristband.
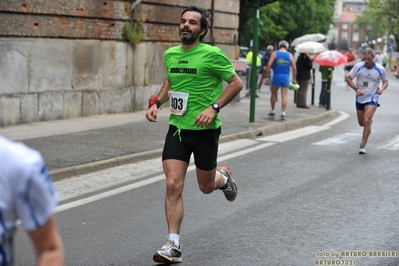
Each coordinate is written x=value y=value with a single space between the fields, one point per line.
x=154 y=100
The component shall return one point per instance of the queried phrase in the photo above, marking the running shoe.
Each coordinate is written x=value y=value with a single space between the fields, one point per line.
x=272 y=114
x=362 y=149
x=283 y=117
x=230 y=191
x=169 y=253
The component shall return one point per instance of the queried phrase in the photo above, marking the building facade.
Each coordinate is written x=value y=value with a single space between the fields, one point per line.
x=69 y=59
x=344 y=33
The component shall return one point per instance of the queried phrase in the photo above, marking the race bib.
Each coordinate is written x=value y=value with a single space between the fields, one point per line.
x=178 y=102
x=366 y=83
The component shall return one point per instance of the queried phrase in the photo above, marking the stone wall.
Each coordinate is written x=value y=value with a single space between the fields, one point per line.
x=65 y=59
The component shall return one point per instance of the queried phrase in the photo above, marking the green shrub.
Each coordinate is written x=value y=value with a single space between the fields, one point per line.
x=133 y=32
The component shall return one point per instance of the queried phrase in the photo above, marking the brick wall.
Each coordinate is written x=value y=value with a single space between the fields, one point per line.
x=64 y=59
x=104 y=20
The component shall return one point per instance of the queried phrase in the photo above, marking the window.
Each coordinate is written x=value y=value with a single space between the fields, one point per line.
x=344 y=35
x=355 y=37
x=344 y=26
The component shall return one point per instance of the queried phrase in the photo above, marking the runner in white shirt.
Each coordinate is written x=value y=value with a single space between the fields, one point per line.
x=27 y=194
x=368 y=76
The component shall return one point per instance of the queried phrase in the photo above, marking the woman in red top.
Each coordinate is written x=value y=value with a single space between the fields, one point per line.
x=351 y=61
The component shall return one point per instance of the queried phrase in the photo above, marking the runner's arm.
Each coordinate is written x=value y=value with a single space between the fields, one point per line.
x=383 y=87
x=48 y=244
x=233 y=88
x=163 y=97
x=351 y=84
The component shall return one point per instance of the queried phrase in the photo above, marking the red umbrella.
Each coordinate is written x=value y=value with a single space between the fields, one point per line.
x=330 y=58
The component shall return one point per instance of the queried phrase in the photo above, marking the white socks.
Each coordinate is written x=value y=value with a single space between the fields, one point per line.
x=175 y=238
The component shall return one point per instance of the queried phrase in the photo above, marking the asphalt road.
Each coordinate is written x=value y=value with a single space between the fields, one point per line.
x=305 y=196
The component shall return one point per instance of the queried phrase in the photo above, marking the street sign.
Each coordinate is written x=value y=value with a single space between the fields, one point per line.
x=391 y=47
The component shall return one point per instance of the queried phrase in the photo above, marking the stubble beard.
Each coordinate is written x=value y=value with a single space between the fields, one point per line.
x=189 y=39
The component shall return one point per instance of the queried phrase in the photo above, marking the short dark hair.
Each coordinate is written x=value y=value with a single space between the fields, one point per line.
x=205 y=18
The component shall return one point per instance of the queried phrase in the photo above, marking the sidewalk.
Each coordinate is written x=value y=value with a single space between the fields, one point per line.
x=78 y=146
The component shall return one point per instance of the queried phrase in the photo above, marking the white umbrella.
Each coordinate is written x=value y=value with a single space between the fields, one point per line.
x=310 y=47
x=315 y=37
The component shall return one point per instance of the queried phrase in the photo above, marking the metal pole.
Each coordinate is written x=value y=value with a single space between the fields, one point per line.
x=254 y=70
x=313 y=84
x=328 y=89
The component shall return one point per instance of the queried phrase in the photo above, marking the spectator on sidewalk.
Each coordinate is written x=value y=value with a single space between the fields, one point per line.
x=303 y=65
x=196 y=97
x=264 y=60
x=249 y=58
x=27 y=194
x=324 y=82
x=280 y=61
x=379 y=58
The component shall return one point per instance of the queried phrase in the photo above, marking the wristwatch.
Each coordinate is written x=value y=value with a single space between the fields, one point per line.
x=216 y=107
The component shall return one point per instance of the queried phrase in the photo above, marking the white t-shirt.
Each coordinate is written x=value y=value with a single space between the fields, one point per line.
x=379 y=59
x=26 y=193
x=368 y=80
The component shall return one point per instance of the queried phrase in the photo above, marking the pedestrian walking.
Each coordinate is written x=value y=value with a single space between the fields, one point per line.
x=368 y=75
x=195 y=72
x=264 y=60
x=27 y=194
x=324 y=81
x=303 y=65
x=280 y=61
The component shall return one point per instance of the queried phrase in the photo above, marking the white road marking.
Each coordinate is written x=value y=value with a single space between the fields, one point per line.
x=293 y=134
x=338 y=139
x=392 y=145
x=119 y=190
x=123 y=174
x=337 y=120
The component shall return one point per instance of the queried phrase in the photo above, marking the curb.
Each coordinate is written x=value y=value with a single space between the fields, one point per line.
x=72 y=171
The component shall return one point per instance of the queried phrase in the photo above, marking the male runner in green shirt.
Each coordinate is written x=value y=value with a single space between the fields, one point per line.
x=195 y=72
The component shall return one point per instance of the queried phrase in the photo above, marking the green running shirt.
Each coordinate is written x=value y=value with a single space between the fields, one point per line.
x=196 y=79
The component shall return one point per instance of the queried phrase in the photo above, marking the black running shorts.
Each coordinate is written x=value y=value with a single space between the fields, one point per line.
x=202 y=143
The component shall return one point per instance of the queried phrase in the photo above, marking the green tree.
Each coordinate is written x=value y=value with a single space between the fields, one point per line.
x=286 y=19
x=382 y=16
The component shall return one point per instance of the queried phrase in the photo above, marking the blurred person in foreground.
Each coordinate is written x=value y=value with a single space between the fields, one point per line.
x=368 y=88
x=27 y=194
